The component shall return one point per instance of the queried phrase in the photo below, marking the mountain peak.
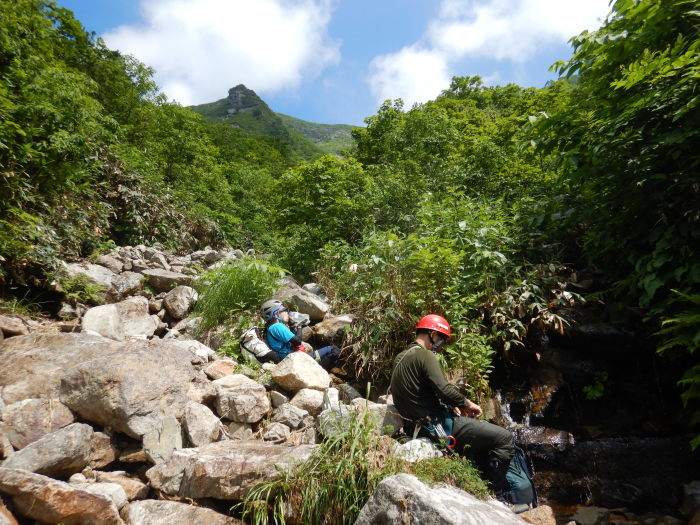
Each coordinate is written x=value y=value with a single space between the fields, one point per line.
x=241 y=99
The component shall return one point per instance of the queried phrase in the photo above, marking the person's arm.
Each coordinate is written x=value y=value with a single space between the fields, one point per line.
x=284 y=335
x=446 y=391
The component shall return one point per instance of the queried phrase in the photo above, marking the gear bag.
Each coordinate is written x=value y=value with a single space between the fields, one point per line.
x=253 y=343
x=519 y=477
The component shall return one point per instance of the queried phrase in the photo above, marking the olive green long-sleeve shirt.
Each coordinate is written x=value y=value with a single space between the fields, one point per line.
x=418 y=384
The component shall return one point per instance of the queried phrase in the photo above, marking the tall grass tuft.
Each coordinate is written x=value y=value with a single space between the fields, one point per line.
x=333 y=485
x=237 y=287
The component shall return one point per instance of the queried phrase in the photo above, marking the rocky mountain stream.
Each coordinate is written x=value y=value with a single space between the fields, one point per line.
x=117 y=414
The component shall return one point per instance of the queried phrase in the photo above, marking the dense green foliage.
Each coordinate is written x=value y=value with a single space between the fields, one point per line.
x=329 y=138
x=628 y=151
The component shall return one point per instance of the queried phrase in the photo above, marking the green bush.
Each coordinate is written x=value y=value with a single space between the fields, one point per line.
x=333 y=485
x=235 y=288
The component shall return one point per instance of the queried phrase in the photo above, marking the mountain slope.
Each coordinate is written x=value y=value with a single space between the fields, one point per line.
x=245 y=110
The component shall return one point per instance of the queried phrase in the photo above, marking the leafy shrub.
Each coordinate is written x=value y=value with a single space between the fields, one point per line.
x=235 y=290
x=80 y=289
x=333 y=485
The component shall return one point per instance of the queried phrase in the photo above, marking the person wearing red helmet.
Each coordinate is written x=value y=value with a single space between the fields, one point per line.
x=419 y=388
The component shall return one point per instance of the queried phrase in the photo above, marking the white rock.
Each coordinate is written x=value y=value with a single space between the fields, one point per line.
x=104 y=320
x=299 y=370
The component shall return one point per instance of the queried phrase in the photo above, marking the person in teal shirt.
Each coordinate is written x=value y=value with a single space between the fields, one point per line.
x=283 y=341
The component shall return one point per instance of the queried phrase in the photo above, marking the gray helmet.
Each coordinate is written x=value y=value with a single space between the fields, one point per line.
x=270 y=309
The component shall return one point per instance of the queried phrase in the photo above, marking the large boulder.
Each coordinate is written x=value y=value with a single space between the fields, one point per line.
x=160 y=441
x=304 y=301
x=136 y=320
x=32 y=365
x=93 y=273
x=131 y=394
x=126 y=284
x=299 y=370
x=405 y=499
x=103 y=320
x=49 y=501
x=156 y=512
x=164 y=280
x=309 y=400
x=331 y=330
x=179 y=301
x=58 y=454
x=201 y=425
x=241 y=399
x=224 y=470
x=30 y=419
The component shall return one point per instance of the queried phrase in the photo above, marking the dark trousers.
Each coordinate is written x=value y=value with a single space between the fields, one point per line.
x=482 y=439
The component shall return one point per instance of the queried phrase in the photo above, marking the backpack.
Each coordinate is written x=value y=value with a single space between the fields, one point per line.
x=519 y=477
x=252 y=342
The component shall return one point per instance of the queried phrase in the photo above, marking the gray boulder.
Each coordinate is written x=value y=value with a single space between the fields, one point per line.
x=30 y=419
x=135 y=318
x=164 y=280
x=331 y=330
x=160 y=441
x=58 y=454
x=224 y=470
x=103 y=320
x=126 y=284
x=304 y=301
x=179 y=301
x=157 y=512
x=241 y=399
x=131 y=394
x=49 y=501
x=201 y=425
x=33 y=364
x=405 y=499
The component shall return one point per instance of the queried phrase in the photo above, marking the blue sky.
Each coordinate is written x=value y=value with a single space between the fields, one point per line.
x=335 y=61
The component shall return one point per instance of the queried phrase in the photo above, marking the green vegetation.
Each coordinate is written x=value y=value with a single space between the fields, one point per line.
x=80 y=289
x=329 y=138
x=234 y=291
x=332 y=486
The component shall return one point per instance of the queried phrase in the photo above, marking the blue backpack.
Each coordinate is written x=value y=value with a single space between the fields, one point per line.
x=519 y=477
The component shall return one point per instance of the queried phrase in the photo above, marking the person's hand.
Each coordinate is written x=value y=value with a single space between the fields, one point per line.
x=471 y=410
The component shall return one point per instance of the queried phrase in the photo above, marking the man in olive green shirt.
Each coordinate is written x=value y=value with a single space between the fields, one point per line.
x=419 y=388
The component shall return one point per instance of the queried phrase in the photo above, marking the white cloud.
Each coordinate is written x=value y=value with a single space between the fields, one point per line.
x=201 y=48
x=512 y=30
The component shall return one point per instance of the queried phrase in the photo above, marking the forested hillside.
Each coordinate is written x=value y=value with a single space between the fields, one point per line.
x=497 y=206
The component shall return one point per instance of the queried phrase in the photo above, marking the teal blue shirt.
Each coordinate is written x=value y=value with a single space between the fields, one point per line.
x=278 y=337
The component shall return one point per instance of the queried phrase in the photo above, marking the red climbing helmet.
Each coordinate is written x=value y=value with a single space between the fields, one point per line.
x=435 y=322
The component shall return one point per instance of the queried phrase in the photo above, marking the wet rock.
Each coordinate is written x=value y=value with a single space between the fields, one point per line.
x=135 y=318
x=224 y=470
x=105 y=321
x=133 y=488
x=156 y=512
x=12 y=326
x=305 y=302
x=348 y=393
x=164 y=281
x=132 y=393
x=220 y=368
x=201 y=425
x=179 y=301
x=49 y=501
x=416 y=450
x=404 y=499
x=298 y=370
x=58 y=454
x=293 y=417
x=162 y=439
x=241 y=399
x=30 y=419
x=276 y=432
